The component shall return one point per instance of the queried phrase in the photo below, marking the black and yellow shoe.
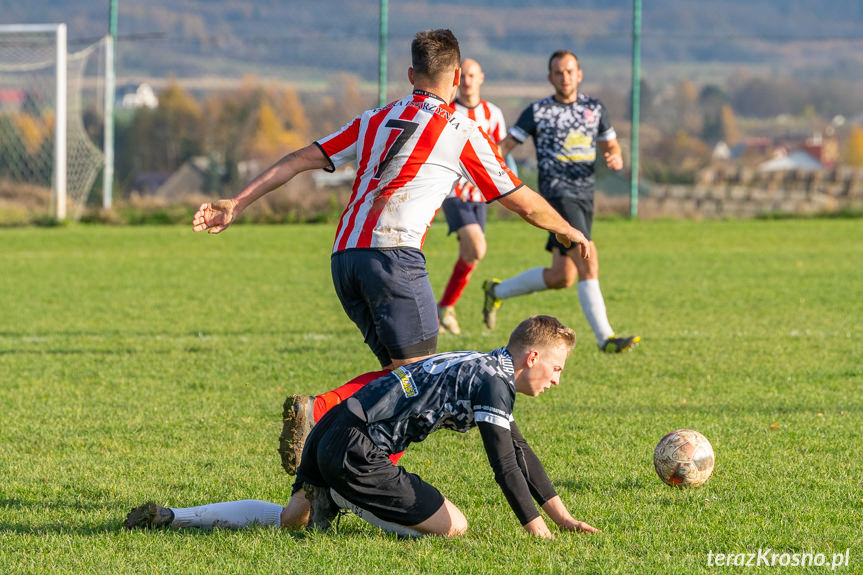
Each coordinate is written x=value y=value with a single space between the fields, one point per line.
x=491 y=303
x=616 y=344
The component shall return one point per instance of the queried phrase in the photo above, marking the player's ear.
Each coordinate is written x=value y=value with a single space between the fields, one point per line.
x=457 y=77
x=411 y=75
x=532 y=356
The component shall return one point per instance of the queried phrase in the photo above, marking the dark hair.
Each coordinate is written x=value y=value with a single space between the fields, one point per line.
x=434 y=52
x=560 y=54
x=540 y=331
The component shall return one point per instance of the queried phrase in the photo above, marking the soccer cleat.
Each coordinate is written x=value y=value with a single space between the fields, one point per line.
x=616 y=344
x=446 y=318
x=297 y=421
x=322 y=508
x=148 y=516
x=491 y=303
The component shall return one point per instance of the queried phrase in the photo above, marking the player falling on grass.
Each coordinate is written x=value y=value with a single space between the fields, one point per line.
x=465 y=208
x=407 y=155
x=567 y=128
x=346 y=465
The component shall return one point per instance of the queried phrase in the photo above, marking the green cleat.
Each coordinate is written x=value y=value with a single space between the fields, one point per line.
x=491 y=303
x=616 y=344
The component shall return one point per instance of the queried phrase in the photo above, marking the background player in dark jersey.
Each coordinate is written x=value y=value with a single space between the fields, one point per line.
x=408 y=153
x=465 y=208
x=567 y=128
x=345 y=463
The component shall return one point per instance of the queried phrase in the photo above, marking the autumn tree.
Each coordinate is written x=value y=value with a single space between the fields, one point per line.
x=676 y=158
x=686 y=103
x=854 y=147
x=728 y=126
x=711 y=101
x=163 y=138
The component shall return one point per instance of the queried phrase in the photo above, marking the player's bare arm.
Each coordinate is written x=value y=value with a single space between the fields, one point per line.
x=612 y=153
x=558 y=512
x=217 y=216
x=506 y=145
x=535 y=210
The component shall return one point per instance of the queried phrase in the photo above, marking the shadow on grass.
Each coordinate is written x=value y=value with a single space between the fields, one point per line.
x=126 y=351
x=111 y=333
x=626 y=484
x=115 y=525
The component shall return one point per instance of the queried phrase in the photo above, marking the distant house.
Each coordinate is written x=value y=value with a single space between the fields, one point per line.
x=752 y=146
x=342 y=177
x=192 y=177
x=824 y=148
x=137 y=96
x=11 y=99
x=796 y=160
x=721 y=152
x=146 y=183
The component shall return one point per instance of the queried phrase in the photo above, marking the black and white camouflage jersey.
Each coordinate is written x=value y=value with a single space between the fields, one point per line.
x=565 y=136
x=445 y=391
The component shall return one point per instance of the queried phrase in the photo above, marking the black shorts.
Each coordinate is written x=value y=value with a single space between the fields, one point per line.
x=387 y=293
x=459 y=214
x=578 y=212
x=339 y=454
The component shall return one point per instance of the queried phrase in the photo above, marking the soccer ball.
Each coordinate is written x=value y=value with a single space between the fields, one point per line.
x=683 y=458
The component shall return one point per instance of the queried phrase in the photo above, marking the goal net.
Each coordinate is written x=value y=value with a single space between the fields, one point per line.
x=51 y=119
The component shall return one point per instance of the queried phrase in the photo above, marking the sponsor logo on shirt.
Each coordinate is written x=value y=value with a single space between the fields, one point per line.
x=578 y=147
x=409 y=387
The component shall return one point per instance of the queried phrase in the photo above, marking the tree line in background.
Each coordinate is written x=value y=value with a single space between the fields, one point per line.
x=253 y=122
x=681 y=125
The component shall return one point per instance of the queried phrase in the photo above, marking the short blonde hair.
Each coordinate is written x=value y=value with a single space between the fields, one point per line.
x=541 y=331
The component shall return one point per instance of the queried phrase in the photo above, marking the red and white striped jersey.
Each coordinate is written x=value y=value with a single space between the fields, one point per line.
x=490 y=118
x=408 y=153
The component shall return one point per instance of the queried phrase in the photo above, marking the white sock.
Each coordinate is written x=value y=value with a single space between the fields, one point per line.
x=593 y=306
x=524 y=283
x=228 y=515
x=365 y=515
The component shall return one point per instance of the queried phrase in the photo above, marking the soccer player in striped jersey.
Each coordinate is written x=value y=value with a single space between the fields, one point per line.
x=407 y=155
x=567 y=129
x=464 y=208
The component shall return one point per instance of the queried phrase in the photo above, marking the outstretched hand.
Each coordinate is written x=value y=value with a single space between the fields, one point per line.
x=575 y=237
x=579 y=526
x=214 y=216
x=613 y=160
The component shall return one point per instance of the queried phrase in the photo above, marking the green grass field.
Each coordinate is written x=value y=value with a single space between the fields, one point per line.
x=145 y=363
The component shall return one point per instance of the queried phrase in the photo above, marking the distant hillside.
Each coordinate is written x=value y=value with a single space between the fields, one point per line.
x=310 y=40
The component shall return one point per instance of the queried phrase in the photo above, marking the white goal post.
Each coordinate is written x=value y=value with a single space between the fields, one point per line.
x=45 y=94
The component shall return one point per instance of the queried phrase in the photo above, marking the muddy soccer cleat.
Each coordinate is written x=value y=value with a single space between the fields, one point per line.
x=616 y=344
x=322 y=508
x=297 y=421
x=446 y=318
x=490 y=304
x=149 y=516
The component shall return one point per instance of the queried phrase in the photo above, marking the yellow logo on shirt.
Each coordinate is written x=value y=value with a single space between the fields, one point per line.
x=407 y=381
x=577 y=148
